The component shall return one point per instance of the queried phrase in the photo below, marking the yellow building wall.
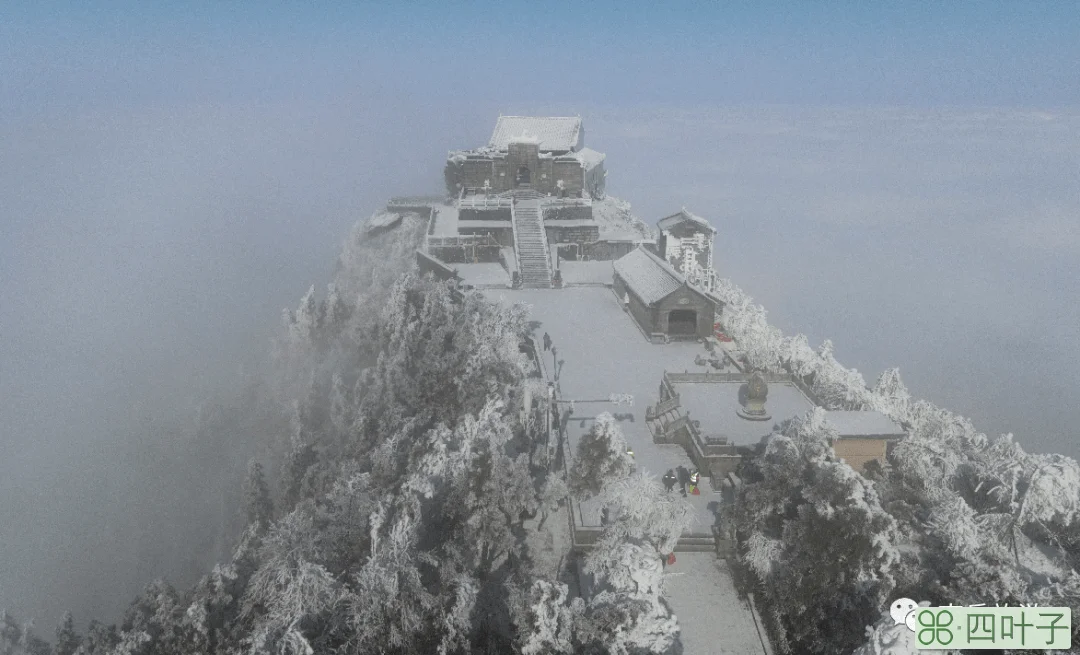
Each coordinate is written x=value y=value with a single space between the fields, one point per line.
x=857 y=452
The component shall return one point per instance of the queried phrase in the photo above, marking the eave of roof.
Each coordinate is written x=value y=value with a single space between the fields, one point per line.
x=684 y=216
x=554 y=133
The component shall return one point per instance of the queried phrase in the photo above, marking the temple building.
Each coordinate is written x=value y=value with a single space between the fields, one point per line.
x=863 y=436
x=547 y=155
x=714 y=417
x=660 y=300
x=686 y=242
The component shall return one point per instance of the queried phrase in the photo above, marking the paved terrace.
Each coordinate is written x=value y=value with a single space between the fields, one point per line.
x=446 y=220
x=587 y=272
x=714 y=404
x=603 y=352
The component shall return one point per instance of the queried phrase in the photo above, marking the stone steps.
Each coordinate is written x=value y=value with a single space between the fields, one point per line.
x=696 y=545
x=530 y=241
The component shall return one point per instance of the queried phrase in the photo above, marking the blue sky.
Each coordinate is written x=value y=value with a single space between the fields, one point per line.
x=899 y=177
x=911 y=53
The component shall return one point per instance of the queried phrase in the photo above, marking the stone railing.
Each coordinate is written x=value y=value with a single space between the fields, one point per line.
x=431 y=221
x=662 y=407
x=466 y=240
x=485 y=202
x=415 y=201
x=422 y=205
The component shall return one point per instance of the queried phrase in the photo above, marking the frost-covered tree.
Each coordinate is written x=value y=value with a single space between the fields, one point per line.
x=602 y=457
x=887 y=637
x=550 y=619
x=257 y=504
x=19 y=639
x=99 y=640
x=295 y=472
x=627 y=614
x=67 y=640
x=821 y=548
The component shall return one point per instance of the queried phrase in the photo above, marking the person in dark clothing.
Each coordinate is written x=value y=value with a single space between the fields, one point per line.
x=547 y=341
x=669 y=480
x=684 y=479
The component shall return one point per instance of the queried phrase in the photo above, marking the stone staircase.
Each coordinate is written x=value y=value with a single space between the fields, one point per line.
x=696 y=543
x=530 y=241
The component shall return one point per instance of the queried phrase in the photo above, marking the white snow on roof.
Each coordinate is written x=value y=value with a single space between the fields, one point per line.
x=683 y=216
x=553 y=133
x=716 y=405
x=850 y=423
x=589 y=158
x=650 y=277
x=525 y=137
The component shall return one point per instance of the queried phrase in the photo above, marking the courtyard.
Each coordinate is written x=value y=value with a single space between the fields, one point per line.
x=601 y=351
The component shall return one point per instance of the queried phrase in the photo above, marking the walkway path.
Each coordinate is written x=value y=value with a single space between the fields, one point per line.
x=601 y=352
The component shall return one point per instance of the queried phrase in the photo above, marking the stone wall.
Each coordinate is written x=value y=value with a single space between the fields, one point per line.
x=611 y=249
x=500 y=170
x=503 y=235
x=431 y=264
x=568 y=252
x=579 y=234
x=642 y=314
x=466 y=254
x=470 y=214
x=564 y=211
x=595 y=180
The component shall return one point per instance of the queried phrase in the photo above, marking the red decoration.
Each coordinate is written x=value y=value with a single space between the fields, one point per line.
x=671 y=559
x=720 y=336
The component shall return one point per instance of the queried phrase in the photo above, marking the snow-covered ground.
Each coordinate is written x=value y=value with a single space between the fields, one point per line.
x=587 y=272
x=446 y=221
x=716 y=404
x=712 y=617
x=617 y=221
x=482 y=274
x=603 y=352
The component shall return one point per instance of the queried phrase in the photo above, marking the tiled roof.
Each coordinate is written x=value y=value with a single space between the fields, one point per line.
x=684 y=216
x=648 y=276
x=554 y=133
x=869 y=423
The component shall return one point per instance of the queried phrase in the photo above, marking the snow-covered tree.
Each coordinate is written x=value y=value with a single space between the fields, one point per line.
x=821 y=547
x=602 y=457
x=19 y=639
x=887 y=637
x=257 y=504
x=550 y=619
x=627 y=613
x=67 y=640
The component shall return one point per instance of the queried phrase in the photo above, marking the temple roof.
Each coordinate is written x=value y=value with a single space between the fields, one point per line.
x=648 y=276
x=683 y=217
x=553 y=133
x=870 y=423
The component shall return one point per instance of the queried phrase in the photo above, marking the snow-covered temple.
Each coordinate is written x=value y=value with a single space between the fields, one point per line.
x=544 y=154
x=660 y=300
